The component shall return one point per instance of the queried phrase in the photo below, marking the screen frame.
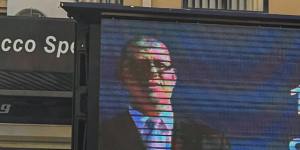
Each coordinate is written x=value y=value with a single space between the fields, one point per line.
x=89 y=16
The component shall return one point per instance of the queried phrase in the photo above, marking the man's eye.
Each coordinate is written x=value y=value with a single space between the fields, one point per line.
x=163 y=66
x=136 y=63
x=141 y=65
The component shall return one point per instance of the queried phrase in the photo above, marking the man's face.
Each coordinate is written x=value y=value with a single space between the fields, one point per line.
x=150 y=78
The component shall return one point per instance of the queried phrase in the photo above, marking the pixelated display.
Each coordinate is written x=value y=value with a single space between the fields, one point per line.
x=188 y=86
x=297 y=91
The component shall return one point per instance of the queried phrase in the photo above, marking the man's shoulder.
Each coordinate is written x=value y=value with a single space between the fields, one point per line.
x=188 y=133
x=199 y=134
x=120 y=119
x=190 y=125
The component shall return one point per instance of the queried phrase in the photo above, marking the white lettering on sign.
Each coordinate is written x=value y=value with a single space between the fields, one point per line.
x=49 y=42
x=18 y=45
x=52 y=45
x=30 y=46
x=4 y=45
x=62 y=48
x=5 y=108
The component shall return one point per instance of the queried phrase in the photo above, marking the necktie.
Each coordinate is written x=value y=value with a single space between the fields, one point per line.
x=157 y=136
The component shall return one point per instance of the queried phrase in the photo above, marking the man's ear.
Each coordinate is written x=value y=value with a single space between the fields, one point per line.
x=125 y=76
x=123 y=69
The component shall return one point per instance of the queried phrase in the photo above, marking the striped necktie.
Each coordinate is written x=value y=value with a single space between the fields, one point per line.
x=156 y=135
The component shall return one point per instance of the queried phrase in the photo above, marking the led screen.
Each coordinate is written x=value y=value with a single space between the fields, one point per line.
x=196 y=86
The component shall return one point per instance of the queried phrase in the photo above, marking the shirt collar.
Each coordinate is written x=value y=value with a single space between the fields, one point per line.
x=140 y=119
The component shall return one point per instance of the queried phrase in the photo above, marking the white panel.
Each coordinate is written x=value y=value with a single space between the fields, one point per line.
x=205 y=3
x=228 y=4
x=249 y=5
x=255 y=5
x=260 y=6
x=234 y=4
x=242 y=5
x=197 y=3
x=146 y=3
x=212 y=4
x=220 y=4
x=190 y=3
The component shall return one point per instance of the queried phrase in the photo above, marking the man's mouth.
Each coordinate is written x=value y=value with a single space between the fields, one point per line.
x=156 y=88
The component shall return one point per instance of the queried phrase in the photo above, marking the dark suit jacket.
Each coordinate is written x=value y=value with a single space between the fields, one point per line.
x=120 y=133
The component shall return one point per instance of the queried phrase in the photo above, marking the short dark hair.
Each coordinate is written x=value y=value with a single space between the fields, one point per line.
x=127 y=60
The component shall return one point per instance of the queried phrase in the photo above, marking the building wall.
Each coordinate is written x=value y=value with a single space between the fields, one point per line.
x=51 y=8
x=133 y=2
x=288 y=7
x=3 y=4
x=154 y=3
x=35 y=136
x=167 y=3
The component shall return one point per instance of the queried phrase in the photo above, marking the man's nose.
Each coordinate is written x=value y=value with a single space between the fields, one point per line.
x=154 y=71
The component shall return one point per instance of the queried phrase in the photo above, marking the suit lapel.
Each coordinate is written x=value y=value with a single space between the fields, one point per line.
x=176 y=140
x=129 y=136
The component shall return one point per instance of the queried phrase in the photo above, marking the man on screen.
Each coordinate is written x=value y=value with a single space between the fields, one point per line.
x=147 y=72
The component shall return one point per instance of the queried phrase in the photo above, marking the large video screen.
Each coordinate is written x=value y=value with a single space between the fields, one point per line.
x=196 y=86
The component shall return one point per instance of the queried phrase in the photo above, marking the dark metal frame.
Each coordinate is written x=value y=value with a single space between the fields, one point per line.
x=87 y=62
x=85 y=112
